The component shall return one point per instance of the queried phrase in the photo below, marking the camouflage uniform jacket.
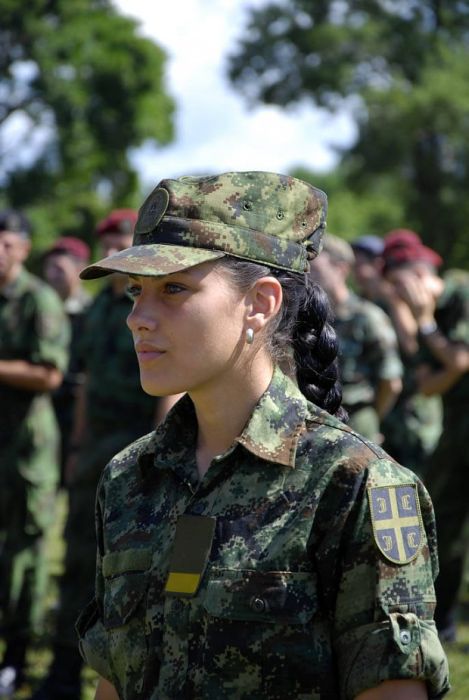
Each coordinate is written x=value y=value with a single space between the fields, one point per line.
x=33 y=327
x=452 y=316
x=297 y=600
x=106 y=351
x=368 y=350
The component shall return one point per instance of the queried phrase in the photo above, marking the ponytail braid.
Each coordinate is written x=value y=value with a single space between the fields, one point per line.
x=301 y=330
x=315 y=348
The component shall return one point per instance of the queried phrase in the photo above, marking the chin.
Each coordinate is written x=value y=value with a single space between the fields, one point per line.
x=153 y=388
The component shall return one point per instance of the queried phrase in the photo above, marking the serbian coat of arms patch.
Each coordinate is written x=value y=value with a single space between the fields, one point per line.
x=397 y=522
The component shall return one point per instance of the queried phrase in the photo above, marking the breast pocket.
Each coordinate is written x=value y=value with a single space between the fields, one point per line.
x=126 y=580
x=263 y=629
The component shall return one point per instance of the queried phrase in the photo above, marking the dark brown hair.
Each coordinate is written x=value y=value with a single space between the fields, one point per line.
x=302 y=331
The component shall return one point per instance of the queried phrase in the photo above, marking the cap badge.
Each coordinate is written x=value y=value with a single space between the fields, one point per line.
x=152 y=211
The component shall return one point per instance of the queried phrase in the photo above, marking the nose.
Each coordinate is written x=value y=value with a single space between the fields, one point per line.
x=143 y=316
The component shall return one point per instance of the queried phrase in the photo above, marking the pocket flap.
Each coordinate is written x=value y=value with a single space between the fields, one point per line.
x=268 y=596
x=116 y=563
x=126 y=581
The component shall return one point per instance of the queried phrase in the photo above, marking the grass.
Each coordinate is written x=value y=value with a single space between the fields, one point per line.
x=39 y=655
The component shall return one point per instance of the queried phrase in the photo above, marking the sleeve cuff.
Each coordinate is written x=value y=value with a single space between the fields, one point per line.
x=403 y=647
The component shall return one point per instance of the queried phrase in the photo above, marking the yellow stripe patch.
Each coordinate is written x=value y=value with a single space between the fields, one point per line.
x=182 y=583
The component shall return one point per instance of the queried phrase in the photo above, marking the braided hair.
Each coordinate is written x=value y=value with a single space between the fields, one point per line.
x=301 y=334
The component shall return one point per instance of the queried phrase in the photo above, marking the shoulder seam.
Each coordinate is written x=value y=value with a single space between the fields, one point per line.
x=346 y=429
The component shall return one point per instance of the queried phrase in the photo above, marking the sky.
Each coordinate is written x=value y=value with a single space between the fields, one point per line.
x=215 y=129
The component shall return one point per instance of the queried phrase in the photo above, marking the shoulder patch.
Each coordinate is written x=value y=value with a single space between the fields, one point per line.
x=397 y=521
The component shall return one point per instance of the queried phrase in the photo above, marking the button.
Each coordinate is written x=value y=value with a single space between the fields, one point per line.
x=405 y=636
x=197 y=509
x=258 y=605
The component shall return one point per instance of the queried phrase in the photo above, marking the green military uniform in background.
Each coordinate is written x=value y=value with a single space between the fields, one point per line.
x=412 y=427
x=117 y=412
x=448 y=474
x=34 y=328
x=303 y=595
x=367 y=354
x=65 y=396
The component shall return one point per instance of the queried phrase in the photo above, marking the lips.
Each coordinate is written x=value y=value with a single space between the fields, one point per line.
x=147 y=352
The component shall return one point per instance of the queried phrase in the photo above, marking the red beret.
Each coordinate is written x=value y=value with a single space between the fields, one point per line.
x=403 y=246
x=118 y=221
x=70 y=246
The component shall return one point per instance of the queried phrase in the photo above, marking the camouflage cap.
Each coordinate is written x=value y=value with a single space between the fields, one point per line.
x=276 y=220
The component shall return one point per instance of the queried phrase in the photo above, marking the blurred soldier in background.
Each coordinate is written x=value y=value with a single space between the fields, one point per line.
x=368 y=267
x=61 y=265
x=370 y=368
x=112 y=410
x=413 y=426
x=34 y=336
x=440 y=308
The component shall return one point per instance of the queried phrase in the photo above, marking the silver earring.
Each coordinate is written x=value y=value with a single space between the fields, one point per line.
x=249 y=336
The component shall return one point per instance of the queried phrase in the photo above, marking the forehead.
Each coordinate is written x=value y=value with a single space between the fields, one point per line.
x=12 y=237
x=363 y=258
x=402 y=271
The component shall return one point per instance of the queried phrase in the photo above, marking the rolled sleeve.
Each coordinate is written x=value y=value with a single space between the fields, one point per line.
x=387 y=363
x=383 y=627
x=402 y=647
x=51 y=341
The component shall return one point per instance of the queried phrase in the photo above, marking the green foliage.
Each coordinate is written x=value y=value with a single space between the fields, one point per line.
x=402 y=68
x=350 y=215
x=83 y=77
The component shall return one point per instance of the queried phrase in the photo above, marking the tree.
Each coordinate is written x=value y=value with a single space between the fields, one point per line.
x=401 y=67
x=89 y=88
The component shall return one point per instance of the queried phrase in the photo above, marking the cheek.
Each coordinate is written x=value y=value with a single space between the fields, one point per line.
x=214 y=332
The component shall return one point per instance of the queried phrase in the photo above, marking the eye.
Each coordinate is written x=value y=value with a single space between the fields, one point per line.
x=133 y=291
x=173 y=288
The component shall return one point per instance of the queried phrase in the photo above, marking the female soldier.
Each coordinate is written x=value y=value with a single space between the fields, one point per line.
x=254 y=546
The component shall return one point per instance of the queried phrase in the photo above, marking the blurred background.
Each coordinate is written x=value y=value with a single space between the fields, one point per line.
x=366 y=99
x=99 y=100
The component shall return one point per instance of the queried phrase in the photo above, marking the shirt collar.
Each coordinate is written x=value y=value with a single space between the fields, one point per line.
x=277 y=422
x=271 y=433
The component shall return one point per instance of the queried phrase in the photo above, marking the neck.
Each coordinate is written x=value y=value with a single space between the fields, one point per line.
x=11 y=276
x=222 y=411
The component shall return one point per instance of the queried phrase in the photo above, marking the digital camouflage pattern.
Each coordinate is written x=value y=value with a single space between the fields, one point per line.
x=34 y=328
x=452 y=316
x=65 y=396
x=118 y=411
x=272 y=219
x=448 y=470
x=297 y=600
x=413 y=426
x=368 y=353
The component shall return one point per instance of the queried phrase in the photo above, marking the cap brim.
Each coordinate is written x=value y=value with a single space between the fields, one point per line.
x=150 y=260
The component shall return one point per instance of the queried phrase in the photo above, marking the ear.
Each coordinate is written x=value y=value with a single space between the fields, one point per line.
x=263 y=302
x=24 y=249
